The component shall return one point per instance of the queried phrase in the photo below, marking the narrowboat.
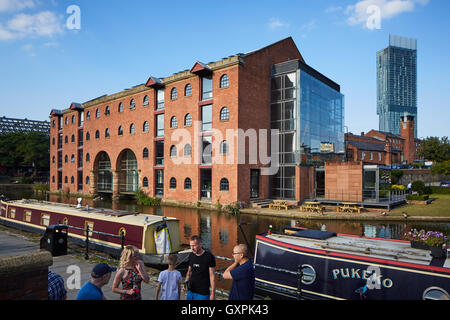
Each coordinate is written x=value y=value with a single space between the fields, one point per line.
x=346 y=267
x=154 y=236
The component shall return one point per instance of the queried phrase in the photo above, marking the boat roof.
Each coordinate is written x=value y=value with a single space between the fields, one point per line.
x=363 y=246
x=123 y=216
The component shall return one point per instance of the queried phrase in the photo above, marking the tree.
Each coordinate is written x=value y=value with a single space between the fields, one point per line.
x=435 y=149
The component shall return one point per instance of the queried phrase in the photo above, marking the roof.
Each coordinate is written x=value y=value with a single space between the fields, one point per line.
x=368 y=146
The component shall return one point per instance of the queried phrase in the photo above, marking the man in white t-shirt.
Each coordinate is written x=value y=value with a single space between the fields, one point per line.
x=169 y=281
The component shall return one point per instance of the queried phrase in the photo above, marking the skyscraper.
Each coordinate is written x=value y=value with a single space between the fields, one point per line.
x=397 y=83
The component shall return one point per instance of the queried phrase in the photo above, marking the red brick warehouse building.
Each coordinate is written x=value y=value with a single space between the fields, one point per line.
x=191 y=136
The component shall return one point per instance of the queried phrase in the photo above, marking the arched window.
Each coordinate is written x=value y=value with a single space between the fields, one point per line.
x=132 y=104
x=173 y=183
x=66 y=139
x=145 y=126
x=107 y=133
x=173 y=122
x=145 y=182
x=66 y=180
x=224 y=114
x=224 y=81
x=173 y=94
x=145 y=153
x=73 y=119
x=53 y=159
x=72 y=139
x=120 y=109
x=120 y=131
x=187 y=184
x=88 y=115
x=97 y=134
x=173 y=151
x=97 y=113
x=66 y=158
x=53 y=179
x=107 y=111
x=188 y=90
x=224 y=147
x=88 y=157
x=72 y=180
x=188 y=120
x=88 y=136
x=145 y=101
x=72 y=159
x=224 y=186
x=87 y=180
x=53 y=141
x=187 y=150
x=132 y=129
x=67 y=120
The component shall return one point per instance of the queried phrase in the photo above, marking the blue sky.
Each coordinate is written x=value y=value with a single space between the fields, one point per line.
x=119 y=44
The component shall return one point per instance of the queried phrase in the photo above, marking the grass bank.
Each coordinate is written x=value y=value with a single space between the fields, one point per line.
x=440 y=207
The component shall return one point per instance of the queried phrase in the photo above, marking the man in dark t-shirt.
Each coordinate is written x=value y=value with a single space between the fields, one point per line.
x=201 y=272
x=242 y=273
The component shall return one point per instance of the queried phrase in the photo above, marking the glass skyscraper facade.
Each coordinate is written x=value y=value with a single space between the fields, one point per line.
x=397 y=83
x=308 y=110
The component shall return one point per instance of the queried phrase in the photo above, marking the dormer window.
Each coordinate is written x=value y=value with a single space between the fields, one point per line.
x=160 y=99
x=207 y=87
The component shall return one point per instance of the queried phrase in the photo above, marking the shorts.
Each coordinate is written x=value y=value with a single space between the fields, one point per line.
x=195 y=296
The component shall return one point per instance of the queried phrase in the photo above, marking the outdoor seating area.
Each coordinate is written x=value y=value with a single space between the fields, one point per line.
x=312 y=206
x=349 y=207
x=278 y=204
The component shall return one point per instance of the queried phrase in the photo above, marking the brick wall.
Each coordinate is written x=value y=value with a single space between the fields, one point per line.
x=344 y=181
x=25 y=277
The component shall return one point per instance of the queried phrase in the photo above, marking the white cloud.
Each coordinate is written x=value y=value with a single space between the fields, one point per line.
x=308 y=27
x=15 y=5
x=277 y=23
x=42 y=24
x=387 y=8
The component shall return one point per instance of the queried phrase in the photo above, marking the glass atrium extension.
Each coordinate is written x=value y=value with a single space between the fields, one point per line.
x=308 y=110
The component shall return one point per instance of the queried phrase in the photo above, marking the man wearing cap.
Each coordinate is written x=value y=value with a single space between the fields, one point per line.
x=92 y=290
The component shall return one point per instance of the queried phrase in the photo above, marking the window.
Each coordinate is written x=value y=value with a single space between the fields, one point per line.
x=188 y=120
x=97 y=113
x=90 y=225
x=88 y=136
x=224 y=147
x=159 y=156
x=120 y=131
x=145 y=103
x=224 y=186
x=173 y=122
x=120 y=109
x=187 y=150
x=224 y=114
x=66 y=139
x=66 y=158
x=65 y=221
x=224 y=82
x=107 y=133
x=145 y=182
x=72 y=159
x=107 y=111
x=87 y=180
x=72 y=139
x=206 y=88
x=173 y=94
x=45 y=219
x=53 y=141
x=53 y=159
x=173 y=151
x=67 y=120
x=72 y=180
x=145 y=127
x=160 y=99
x=188 y=90
x=12 y=213
x=88 y=157
x=207 y=118
x=53 y=179
x=132 y=104
x=73 y=119
x=187 y=184
x=53 y=123
x=88 y=115
x=173 y=183
x=97 y=134
x=160 y=125
x=379 y=156
x=145 y=153
x=132 y=130
x=206 y=149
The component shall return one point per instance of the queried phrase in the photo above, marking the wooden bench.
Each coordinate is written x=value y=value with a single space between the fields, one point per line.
x=278 y=204
x=349 y=207
x=312 y=206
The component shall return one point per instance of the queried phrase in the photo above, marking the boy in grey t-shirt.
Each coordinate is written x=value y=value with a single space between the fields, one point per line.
x=169 y=281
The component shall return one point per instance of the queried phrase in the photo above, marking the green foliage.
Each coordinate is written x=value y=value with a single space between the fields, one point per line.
x=41 y=187
x=396 y=175
x=143 y=199
x=424 y=197
x=441 y=168
x=435 y=149
x=18 y=149
x=418 y=186
x=440 y=190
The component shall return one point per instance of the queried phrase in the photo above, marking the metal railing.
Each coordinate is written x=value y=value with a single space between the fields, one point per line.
x=366 y=195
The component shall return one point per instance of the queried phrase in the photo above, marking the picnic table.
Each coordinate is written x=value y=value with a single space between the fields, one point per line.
x=312 y=206
x=349 y=207
x=278 y=204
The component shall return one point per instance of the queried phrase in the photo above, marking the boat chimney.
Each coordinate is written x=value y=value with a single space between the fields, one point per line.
x=270 y=230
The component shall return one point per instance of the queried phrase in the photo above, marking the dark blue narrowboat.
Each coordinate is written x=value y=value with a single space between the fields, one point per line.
x=346 y=267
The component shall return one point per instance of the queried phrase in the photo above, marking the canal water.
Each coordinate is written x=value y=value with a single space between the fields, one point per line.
x=221 y=231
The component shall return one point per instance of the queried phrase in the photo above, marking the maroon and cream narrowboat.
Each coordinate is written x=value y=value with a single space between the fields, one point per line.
x=154 y=236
